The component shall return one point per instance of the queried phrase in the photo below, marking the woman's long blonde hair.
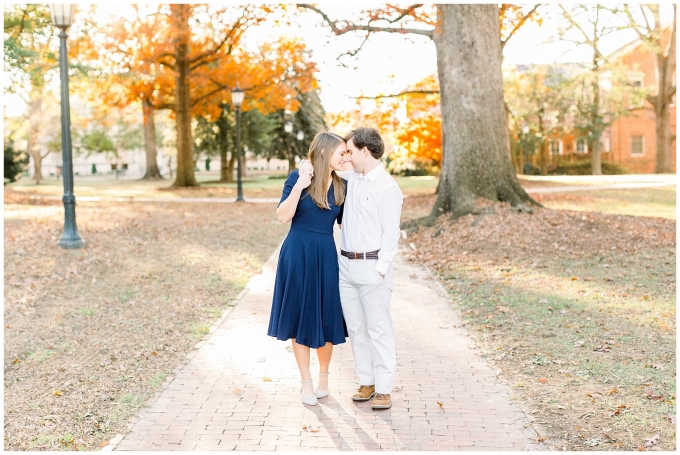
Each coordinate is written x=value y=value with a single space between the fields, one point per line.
x=320 y=151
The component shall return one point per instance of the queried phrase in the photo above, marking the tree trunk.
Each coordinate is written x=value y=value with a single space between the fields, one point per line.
x=596 y=156
x=224 y=176
x=185 y=154
x=152 y=171
x=291 y=163
x=476 y=160
x=35 y=114
x=663 y=137
x=665 y=66
x=230 y=171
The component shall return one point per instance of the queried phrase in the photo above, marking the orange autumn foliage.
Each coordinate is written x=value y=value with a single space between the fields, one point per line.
x=134 y=58
x=411 y=122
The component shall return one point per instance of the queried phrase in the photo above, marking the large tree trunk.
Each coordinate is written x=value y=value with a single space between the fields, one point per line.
x=665 y=66
x=152 y=171
x=185 y=154
x=35 y=114
x=476 y=160
x=224 y=176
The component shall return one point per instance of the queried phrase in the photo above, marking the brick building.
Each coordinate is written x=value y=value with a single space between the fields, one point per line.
x=633 y=138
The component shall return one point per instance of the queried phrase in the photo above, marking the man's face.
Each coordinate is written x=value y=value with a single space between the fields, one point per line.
x=355 y=156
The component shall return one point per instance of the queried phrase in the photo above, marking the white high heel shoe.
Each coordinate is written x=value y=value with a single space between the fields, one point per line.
x=321 y=393
x=308 y=399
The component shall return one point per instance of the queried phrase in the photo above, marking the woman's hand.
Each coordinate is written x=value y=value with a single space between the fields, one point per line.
x=304 y=179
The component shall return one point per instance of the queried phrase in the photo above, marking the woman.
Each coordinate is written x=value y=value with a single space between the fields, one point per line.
x=306 y=305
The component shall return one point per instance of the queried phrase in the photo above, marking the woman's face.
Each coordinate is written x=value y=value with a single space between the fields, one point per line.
x=338 y=157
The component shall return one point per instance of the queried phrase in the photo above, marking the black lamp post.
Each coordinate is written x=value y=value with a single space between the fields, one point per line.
x=62 y=17
x=237 y=96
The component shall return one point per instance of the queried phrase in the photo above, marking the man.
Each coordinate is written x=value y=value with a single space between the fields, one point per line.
x=370 y=232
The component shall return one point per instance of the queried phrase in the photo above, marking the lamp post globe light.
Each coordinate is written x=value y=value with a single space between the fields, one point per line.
x=62 y=17
x=300 y=137
x=237 y=96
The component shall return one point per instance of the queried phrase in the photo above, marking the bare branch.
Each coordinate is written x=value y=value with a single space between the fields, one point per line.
x=365 y=28
x=354 y=52
x=576 y=25
x=396 y=95
x=217 y=48
x=518 y=25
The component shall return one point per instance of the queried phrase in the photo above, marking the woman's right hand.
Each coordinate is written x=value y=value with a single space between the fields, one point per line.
x=304 y=180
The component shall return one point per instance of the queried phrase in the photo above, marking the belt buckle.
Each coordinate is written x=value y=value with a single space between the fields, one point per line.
x=355 y=255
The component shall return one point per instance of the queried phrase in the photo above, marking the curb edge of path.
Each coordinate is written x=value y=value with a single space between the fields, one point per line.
x=132 y=420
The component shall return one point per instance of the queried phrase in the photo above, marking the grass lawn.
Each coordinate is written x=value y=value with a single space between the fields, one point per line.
x=576 y=311
x=658 y=202
x=90 y=334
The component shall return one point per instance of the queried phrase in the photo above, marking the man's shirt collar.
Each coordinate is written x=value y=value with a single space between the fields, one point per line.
x=375 y=172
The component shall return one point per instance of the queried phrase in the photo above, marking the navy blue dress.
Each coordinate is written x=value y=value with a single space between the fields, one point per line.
x=306 y=304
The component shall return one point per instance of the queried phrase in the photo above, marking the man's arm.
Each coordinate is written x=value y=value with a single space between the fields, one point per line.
x=390 y=216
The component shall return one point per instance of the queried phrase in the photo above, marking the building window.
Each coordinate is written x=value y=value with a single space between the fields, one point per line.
x=606 y=145
x=581 y=145
x=637 y=145
x=556 y=147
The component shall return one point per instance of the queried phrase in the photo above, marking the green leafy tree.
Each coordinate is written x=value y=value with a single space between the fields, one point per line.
x=29 y=63
x=15 y=162
x=218 y=137
x=309 y=119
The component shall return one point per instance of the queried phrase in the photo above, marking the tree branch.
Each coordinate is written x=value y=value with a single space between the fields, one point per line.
x=219 y=46
x=396 y=95
x=365 y=28
x=354 y=52
x=518 y=25
x=218 y=89
x=571 y=20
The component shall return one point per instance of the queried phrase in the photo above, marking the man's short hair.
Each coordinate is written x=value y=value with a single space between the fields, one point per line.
x=369 y=138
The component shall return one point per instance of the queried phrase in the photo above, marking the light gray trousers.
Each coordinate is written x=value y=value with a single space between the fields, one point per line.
x=365 y=298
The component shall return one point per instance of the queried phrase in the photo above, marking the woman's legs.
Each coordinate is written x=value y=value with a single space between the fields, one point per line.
x=324 y=354
x=301 y=353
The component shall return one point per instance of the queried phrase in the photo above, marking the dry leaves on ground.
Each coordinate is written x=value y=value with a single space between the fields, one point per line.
x=92 y=333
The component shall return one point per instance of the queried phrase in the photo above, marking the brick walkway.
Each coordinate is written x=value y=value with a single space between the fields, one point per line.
x=240 y=390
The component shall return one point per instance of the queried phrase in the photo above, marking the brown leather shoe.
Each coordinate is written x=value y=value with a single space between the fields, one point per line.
x=365 y=393
x=382 y=401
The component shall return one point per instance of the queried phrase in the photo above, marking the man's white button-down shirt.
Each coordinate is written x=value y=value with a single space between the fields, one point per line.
x=371 y=215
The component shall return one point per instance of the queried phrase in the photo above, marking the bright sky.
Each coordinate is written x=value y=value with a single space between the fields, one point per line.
x=388 y=63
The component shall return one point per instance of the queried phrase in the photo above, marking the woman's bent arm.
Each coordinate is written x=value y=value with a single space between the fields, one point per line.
x=286 y=210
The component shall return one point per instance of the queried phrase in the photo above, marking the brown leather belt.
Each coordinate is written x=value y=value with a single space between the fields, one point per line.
x=369 y=255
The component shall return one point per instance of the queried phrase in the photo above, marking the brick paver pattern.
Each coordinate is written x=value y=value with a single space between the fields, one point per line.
x=240 y=390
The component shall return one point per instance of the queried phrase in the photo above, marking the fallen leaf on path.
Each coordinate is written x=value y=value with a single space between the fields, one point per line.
x=266 y=379
x=612 y=391
x=503 y=309
x=671 y=418
x=57 y=393
x=237 y=391
x=618 y=410
x=104 y=443
x=543 y=380
x=594 y=395
x=651 y=396
x=441 y=405
x=653 y=440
